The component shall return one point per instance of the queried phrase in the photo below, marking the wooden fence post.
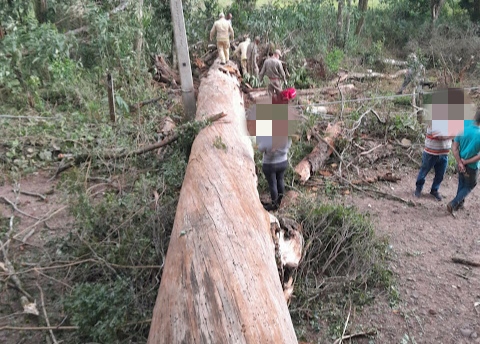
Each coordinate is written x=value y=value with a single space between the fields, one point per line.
x=111 y=101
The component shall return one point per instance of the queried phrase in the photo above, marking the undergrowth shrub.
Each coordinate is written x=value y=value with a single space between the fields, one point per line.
x=343 y=260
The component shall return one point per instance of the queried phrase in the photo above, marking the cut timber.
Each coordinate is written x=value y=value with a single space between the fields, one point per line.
x=367 y=76
x=315 y=160
x=262 y=92
x=220 y=282
x=288 y=239
x=164 y=73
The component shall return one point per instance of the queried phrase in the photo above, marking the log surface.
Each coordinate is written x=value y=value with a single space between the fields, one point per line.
x=220 y=282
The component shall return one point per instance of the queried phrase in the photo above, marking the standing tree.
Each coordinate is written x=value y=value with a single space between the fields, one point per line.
x=347 y=24
x=435 y=8
x=339 y=35
x=362 y=7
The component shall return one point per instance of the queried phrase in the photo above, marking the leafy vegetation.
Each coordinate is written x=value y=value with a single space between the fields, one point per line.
x=53 y=66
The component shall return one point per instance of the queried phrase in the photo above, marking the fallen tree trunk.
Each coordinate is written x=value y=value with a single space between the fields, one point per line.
x=315 y=160
x=220 y=282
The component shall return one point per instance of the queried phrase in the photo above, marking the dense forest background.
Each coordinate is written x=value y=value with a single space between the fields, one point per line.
x=108 y=252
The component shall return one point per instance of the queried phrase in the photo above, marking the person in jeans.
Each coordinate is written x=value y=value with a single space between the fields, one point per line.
x=275 y=163
x=435 y=155
x=466 y=150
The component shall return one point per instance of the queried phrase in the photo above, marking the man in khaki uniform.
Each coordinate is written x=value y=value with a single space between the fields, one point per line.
x=272 y=67
x=252 y=55
x=223 y=29
x=242 y=51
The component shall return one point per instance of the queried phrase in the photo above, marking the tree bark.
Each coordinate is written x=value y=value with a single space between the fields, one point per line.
x=341 y=4
x=220 y=282
x=41 y=10
x=347 y=24
x=435 y=8
x=138 y=41
x=362 y=7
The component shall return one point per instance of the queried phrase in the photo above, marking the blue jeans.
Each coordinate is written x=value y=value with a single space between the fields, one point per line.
x=429 y=161
x=466 y=183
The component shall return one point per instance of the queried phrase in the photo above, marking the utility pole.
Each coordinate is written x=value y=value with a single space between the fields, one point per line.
x=188 y=94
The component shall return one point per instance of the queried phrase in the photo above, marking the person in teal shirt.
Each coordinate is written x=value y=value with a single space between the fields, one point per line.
x=466 y=150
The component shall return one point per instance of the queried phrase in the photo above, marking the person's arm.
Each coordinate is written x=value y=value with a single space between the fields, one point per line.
x=230 y=30
x=212 y=32
x=262 y=73
x=237 y=50
x=472 y=160
x=456 y=154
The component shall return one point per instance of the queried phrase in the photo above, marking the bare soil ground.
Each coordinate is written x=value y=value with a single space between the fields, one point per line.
x=436 y=296
x=47 y=219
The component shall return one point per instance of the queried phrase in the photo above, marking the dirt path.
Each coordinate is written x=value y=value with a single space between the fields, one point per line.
x=43 y=219
x=437 y=297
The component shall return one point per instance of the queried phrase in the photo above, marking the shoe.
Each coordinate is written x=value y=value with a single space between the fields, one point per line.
x=270 y=207
x=436 y=195
x=461 y=205
x=450 y=209
x=417 y=193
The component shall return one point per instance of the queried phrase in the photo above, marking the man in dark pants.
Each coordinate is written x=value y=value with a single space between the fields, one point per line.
x=466 y=150
x=275 y=163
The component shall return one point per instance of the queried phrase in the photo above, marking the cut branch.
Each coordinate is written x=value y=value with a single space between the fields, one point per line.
x=465 y=261
x=316 y=159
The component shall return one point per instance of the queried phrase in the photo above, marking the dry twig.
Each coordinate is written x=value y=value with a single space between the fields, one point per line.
x=45 y=314
x=40 y=328
x=465 y=261
x=353 y=335
x=13 y=205
x=34 y=194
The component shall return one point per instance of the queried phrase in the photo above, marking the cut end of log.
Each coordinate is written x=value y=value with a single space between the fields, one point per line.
x=303 y=170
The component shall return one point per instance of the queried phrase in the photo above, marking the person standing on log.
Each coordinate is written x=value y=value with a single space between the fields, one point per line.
x=242 y=51
x=273 y=69
x=252 y=55
x=223 y=29
x=466 y=150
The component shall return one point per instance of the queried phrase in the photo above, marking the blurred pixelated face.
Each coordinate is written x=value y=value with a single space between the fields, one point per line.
x=448 y=111
x=267 y=119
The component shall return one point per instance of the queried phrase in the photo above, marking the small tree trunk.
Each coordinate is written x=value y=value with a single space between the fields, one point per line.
x=435 y=7
x=220 y=282
x=138 y=42
x=347 y=24
x=41 y=10
x=341 y=4
x=362 y=7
